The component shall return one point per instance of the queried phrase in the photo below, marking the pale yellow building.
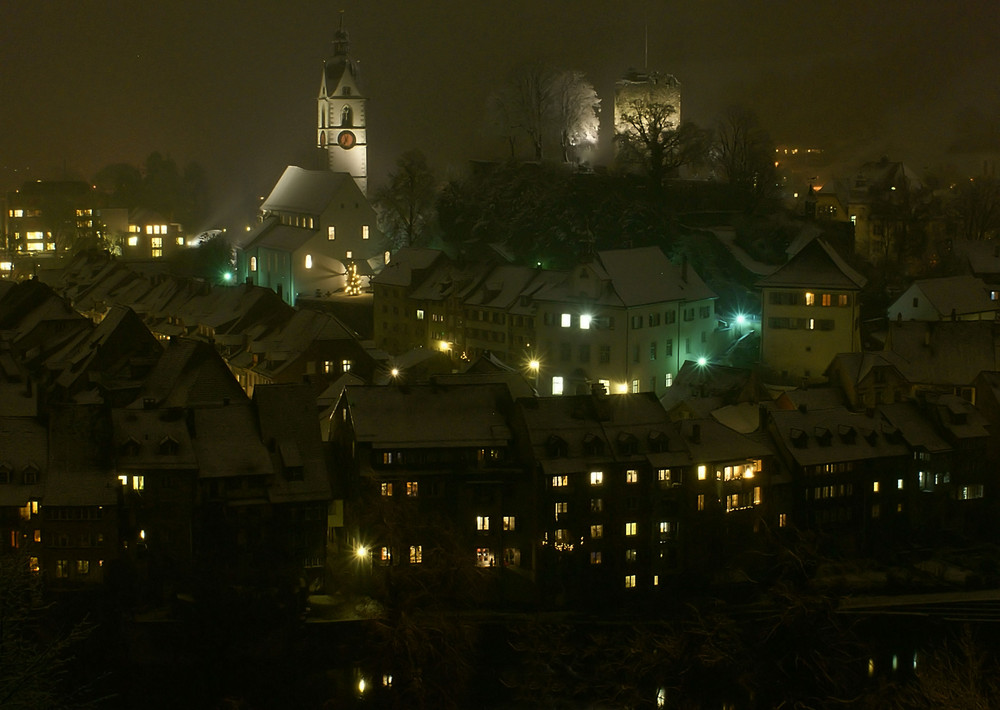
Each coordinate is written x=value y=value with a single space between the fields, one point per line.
x=810 y=313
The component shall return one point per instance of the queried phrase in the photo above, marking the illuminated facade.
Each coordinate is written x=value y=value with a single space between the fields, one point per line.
x=626 y=319
x=313 y=225
x=644 y=88
x=45 y=218
x=810 y=313
x=341 y=114
x=149 y=236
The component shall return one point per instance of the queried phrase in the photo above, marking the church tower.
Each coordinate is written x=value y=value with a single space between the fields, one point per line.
x=341 y=116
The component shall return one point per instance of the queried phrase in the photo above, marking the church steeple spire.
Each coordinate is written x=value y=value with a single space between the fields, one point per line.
x=341 y=120
x=341 y=42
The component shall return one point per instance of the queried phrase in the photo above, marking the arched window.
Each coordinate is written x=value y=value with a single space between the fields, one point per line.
x=347 y=117
x=253 y=263
x=322 y=118
x=322 y=139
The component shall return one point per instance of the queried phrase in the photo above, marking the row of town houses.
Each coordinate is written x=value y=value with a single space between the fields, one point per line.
x=130 y=450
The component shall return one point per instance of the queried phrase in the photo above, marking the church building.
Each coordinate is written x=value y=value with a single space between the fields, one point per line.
x=317 y=232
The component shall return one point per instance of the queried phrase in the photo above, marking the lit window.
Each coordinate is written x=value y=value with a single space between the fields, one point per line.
x=345 y=365
x=133 y=241
x=411 y=489
x=509 y=522
x=350 y=255
x=483 y=523
x=701 y=501
x=561 y=507
x=566 y=320
x=631 y=476
x=83 y=566
x=664 y=475
x=630 y=529
x=253 y=263
x=756 y=495
x=416 y=556
x=595 y=557
x=420 y=314
x=826 y=300
x=810 y=298
x=559 y=481
x=596 y=478
x=971 y=492
x=631 y=555
x=364 y=231
x=331 y=233
x=899 y=483
x=629 y=581
x=62 y=569
x=180 y=241
x=596 y=531
x=782 y=520
x=702 y=472
x=387 y=489
x=557 y=385
x=385 y=555
x=138 y=483
x=309 y=261
x=635 y=386
x=484 y=557
x=584 y=322
x=156 y=243
x=668 y=380
x=842 y=299
x=38 y=536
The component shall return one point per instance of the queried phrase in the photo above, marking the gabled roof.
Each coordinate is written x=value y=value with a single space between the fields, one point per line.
x=308 y=192
x=959 y=294
x=645 y=275
x=836 y=435
x=429 y=416
x=399 y=271
x=190 y=373
x=287 y=416
x=816 y=265
x=227 y=442
x=943 y=352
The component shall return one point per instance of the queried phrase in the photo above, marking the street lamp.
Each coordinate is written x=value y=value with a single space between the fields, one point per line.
x=534 y=365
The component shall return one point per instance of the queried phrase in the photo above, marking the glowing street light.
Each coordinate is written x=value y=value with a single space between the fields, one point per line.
x=702 y=361
x=361 y=552
x=394 y=372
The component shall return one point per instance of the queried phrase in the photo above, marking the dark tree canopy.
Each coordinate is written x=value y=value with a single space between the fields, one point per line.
x=406 y=203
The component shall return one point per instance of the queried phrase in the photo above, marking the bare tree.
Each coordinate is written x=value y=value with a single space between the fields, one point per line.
x=976 y=208
x=652 y=141
x=542 y=103
x=577 y=108
x=744 y=154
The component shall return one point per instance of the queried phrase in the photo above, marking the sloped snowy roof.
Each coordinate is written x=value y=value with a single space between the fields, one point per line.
x=645 y=276
x=962 y=294
x=816 y=265
x=307 y=191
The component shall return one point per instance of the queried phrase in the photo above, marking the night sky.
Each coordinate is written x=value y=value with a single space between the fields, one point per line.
x=232 y=85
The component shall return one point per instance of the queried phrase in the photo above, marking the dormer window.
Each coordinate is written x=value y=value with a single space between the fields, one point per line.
x=169 y=445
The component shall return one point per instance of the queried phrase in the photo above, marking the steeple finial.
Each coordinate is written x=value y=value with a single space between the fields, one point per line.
x=341 y=42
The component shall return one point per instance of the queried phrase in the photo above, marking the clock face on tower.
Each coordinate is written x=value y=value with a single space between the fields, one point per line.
x=346 y=140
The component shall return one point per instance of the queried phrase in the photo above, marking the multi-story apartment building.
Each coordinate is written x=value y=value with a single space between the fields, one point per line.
x=438 y=477
x=626 y=319
x=810 y=313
